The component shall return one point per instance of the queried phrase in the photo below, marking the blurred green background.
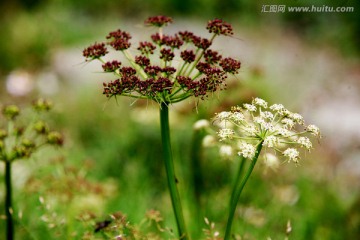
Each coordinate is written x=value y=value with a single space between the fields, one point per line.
x=111 y=162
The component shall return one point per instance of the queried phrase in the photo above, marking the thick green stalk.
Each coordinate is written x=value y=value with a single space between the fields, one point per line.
x=238 y=176
x=8 y=202
x=238 y=187
x=170 y=171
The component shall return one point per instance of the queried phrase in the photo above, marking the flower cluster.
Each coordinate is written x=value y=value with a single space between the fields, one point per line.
x=18 y=141
x=181 y=70
x=273 y=127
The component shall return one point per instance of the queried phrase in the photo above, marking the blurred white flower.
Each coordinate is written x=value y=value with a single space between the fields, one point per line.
x=203 y=123
x=208 y=141
x=226 y=151
x=19 y=83
x=271 y=161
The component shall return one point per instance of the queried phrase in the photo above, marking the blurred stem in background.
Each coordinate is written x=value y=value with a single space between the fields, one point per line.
x=196 y=170
x=8 y=202
x=170 y=171
x=238 y=187
x=18 y=143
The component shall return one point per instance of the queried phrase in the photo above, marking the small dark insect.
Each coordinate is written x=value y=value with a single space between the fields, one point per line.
x=101 y=225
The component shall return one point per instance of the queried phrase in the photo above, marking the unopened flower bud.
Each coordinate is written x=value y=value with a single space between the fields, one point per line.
x=3 y=134
x=42 y=105
x=41 y=127
x=55 y=138
x=28 y=143
x=21 y=152
x=11 y=111
x=18 y=131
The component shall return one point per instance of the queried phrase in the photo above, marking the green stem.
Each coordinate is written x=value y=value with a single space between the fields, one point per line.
x=170 y=171
x=238 y=187
x=238 y=176
x=8 y=202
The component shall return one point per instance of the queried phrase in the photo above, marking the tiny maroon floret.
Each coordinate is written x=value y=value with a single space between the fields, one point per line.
x=119 y=40
x=158 y=21
x=230 y=65
x=211 y=56
x=142 y=61
x=96 y=50
x=186 y=36
x=202 y=43
x=219 y=27
x=188 y=56
x=146 y=48
x=173 y=41
x=111 y=66
x=166 y=54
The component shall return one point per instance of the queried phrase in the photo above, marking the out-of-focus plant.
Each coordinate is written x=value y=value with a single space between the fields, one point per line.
x=20 y=140
x=248 y=129
x=166 y=69
x=118 y=226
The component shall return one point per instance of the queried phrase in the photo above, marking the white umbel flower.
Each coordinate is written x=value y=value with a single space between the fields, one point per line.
x=267 y=115
x=226 y=133
x=292 y=154
x=313 y=130
x=288 y=123
x=246 y=150
x=297 y=118
x=223 y=115
x=237 y=117
x=270 y=141
x=250 y=107
x=274 y=127
x=305 y=142
x=260 y=102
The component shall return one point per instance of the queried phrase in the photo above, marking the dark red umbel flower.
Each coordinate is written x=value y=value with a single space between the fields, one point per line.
x=128 y=71
x=152 y=70
x=96 y=50
x=111 y=66
x=120 y=44
x=188 y=56
x=203 y=67
x=230 y=65
x=166 y=54
x=212 y=56
x=161 y=84
x=158 y=21
x=202 y=43
x=118 y=34
x=186 y=36
x=119 y=40
x=173 y=41
x=142 y=61
x=219 y=27
x=157 y=39
x=197 y=71
x=146 y=48
x=168 y=70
